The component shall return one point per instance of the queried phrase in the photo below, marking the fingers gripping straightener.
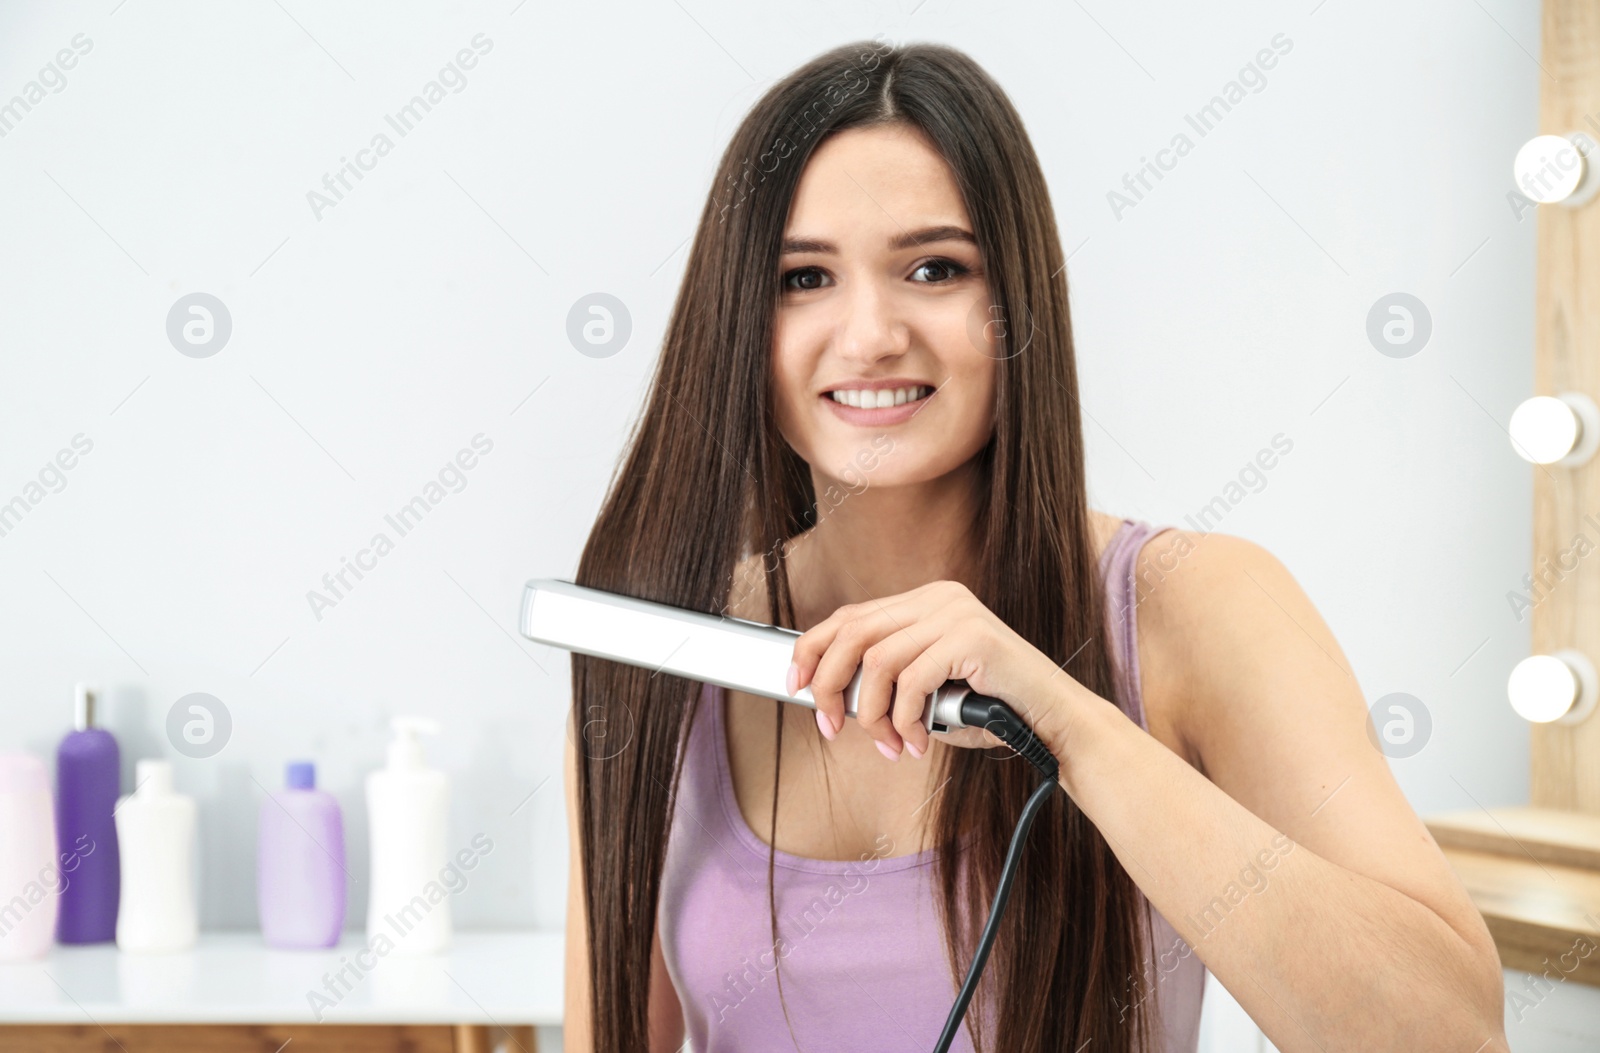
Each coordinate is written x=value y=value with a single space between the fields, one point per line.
x=754 y=658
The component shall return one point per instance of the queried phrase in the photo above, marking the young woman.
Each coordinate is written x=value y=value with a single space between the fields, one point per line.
x=864 y=425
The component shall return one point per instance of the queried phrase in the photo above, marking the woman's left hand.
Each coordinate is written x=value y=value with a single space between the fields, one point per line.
x=909 y=645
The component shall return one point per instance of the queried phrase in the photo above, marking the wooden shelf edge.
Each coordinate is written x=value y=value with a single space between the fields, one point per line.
x=1545 y=835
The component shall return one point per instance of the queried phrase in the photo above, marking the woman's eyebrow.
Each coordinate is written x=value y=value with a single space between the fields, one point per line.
x=905 y=240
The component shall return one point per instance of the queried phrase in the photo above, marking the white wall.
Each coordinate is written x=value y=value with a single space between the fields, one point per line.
x=373 y=340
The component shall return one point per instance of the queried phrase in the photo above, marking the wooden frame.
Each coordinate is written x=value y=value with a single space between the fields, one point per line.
x=1534 y=872
x=1565 y=772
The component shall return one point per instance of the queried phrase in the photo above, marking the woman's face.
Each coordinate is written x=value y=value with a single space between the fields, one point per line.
x=882 y=289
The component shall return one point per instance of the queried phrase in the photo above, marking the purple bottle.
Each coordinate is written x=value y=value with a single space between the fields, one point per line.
x=88 y=775
x=300 y=873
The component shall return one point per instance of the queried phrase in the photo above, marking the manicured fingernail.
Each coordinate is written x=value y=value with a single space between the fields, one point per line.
x=912 y=746
x=825 y=725
x=794 y=677
x=884 y=748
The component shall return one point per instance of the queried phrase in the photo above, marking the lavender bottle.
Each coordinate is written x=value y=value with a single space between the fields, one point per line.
x=88 y=775
x=300 y=872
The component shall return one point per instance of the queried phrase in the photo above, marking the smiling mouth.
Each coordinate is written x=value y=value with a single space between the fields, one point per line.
x=884 y=399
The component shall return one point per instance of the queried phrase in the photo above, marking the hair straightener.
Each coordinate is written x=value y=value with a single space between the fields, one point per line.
x=754 y=658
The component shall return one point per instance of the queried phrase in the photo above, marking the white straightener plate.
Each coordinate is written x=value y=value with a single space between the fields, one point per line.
x=717 y=649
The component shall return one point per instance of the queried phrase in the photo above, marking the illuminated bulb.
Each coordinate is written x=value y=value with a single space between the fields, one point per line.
x=1553 y=688
x=1564 y=429
x=1557 y=168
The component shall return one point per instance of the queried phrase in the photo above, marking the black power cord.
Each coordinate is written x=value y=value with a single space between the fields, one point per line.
x=1001 y=721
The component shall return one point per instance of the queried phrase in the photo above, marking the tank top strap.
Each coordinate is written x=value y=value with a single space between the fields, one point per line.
x=697 y=756
x=1119 y=565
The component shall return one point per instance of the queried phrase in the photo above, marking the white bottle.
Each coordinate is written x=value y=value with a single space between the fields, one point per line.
x=408 y=805
x=156 y=910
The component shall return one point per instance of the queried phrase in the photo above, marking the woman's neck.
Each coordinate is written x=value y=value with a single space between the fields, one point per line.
x=883 y=541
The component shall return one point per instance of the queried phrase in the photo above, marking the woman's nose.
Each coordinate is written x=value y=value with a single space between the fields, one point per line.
x=871 y=328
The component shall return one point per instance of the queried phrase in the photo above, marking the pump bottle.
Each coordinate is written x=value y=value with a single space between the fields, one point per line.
x=408 y=807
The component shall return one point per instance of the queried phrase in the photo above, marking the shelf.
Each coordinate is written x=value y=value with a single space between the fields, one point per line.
x=1547 y=835
x=1526 y=871
x=491 y=978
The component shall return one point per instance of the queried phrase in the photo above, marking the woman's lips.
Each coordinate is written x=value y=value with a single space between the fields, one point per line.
x=878 y=416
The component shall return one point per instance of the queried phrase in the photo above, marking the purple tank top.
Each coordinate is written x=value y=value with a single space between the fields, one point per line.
x=863 y=959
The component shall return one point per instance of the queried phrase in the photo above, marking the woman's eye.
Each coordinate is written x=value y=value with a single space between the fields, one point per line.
x=807 y=279
x=953 y=270
x=803 y=275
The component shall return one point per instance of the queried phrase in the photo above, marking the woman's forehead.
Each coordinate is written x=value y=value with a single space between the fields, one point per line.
x=873 y=183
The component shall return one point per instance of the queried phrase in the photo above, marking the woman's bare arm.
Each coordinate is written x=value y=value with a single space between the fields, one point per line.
x=1290 y=862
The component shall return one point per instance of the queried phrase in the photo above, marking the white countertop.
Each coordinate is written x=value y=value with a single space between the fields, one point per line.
x=500 y=977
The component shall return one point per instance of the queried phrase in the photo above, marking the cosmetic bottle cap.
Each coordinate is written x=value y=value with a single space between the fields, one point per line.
x=152 y=778
x=405 y=749
x=83 y=707
x=302 y=775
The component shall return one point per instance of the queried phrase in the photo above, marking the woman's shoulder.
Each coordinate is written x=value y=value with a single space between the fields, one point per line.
x=1210 y=558
x=1197 y=594
x=1183 y=574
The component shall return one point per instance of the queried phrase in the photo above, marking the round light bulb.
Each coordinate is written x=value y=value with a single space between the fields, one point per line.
x=1562 y=429
x=1548 y=168
x=1542 y=688
x=1544 y=429
x=1545 y=688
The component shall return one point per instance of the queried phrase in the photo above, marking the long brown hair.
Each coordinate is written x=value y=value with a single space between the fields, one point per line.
x=707 y=480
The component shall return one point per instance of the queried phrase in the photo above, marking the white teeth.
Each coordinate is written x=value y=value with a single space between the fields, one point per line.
x=879 y=399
